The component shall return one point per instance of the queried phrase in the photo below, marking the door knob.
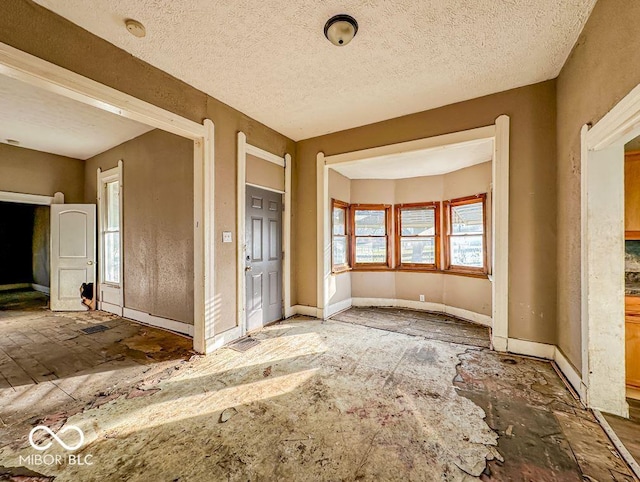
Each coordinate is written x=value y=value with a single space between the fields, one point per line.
x=89 y=263
x=248 y=268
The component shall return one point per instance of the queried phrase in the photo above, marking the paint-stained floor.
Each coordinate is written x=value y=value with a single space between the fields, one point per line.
x=311 y=400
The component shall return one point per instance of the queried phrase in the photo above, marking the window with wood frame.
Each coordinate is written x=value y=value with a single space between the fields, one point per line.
x=370 y=225
x=339 y=236
x=417 y=236
x=465 y=235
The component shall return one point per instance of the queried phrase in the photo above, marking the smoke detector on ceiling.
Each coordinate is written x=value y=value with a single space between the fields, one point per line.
x=340 y=29
x=135 y=28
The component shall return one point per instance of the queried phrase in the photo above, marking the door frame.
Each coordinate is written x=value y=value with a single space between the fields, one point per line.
x=244 y=149
x=602 y=255
x=36 y=200
x=103 y=177
x=500 y=215
x=25 y=67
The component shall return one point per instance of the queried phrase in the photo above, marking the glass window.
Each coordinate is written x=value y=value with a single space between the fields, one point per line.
x=339 y=241
x=418 y=227
x=466 y=234
x=111 y=233
x=370 y=235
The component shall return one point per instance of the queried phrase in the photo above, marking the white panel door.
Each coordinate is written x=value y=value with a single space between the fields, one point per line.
x=73 y=254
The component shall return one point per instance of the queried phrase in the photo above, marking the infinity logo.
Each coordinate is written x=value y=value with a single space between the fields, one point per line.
x=56 y=438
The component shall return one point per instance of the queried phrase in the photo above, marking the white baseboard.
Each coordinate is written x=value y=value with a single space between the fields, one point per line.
x=337 y=307
x=305 y=310
x=15 y=286
x=570 y=373
x=41 y=288
x=222 y=339
x=531 y=348
x=479 y=318
x=152 y=320
x=111 y=308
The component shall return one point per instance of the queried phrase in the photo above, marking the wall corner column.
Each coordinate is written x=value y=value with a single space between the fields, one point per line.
x=204 y=239
x=500 y=216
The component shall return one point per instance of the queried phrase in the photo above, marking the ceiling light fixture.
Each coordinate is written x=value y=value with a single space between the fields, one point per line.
x=341 y=29
x=135 y=28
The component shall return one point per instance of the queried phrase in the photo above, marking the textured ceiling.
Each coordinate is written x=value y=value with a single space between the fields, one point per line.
x=424 y=162
x=52 y=123
x=270 y=60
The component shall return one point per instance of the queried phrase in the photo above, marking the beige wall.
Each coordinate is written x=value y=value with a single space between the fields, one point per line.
x=34 y=172
x=157 y=178
x=473 y=294
x=532 y=240
x=69 y=46
x=264 y=173
x=603 y=67
x=339 y=187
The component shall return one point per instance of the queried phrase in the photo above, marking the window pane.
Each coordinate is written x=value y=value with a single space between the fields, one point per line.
x=113 y=206
x=112 y=257
x=371 y=250
x=339 y=250
x=370 y=222
x=418 y=250
x=339 y=221
x=467 y=219
x=418 y=222
x=467 y=251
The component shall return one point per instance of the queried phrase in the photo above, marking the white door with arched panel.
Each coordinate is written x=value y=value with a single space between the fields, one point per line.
x=73 y=254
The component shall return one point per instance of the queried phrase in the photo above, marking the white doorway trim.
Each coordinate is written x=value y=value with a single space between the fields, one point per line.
x=602 y=255
x=500 y=215
x=103 y=290
x=244 y=149
x=36 y=200
x=30 y=69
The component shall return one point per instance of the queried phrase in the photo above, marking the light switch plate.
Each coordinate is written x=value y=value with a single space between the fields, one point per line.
x=226 y=237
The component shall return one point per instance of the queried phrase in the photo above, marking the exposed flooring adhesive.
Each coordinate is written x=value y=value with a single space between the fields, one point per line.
x=312 y=401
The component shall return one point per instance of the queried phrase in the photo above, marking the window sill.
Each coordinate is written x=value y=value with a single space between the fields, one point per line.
x=372 y=268
x=469 y=274
x=384 y=269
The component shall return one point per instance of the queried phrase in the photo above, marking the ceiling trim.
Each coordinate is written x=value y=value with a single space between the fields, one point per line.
x=23 y=66
x=439 y=142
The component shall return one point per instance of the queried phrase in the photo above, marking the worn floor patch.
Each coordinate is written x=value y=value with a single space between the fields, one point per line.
x=545 y=434
x=341 y=402
x=432 y=326
x=312 y=400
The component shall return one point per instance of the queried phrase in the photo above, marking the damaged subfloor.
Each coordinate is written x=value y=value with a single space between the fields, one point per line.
x=307 y=400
